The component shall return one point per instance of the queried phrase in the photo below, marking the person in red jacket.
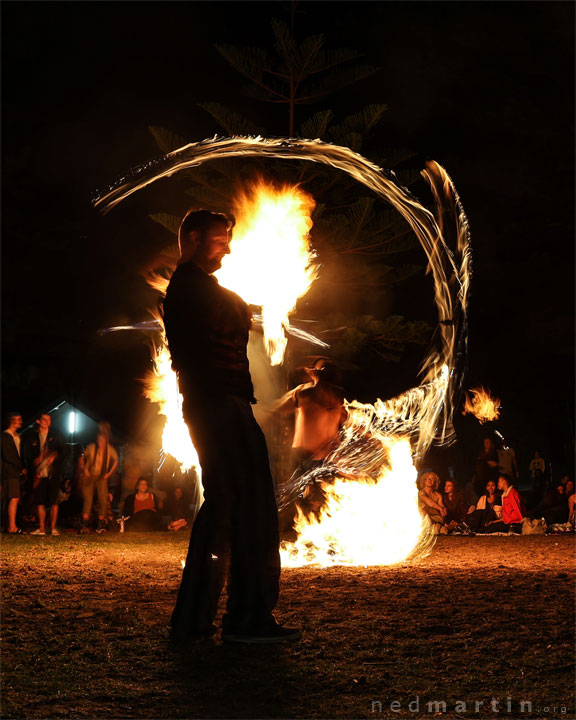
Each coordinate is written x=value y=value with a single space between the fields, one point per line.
x=512 y=508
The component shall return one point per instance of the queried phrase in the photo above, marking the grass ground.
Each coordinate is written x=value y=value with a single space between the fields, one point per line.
x=481 y=620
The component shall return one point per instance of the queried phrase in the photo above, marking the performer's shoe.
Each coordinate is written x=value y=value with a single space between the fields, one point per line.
x=180 y=641
x=274 y=634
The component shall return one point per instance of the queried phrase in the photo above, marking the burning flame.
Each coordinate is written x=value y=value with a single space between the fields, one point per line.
x=161 y=387
x=271 y=263
x=482 y=405
x=364 y=522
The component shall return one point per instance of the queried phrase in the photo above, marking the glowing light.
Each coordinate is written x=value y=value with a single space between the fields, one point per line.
x=161 y=387
x=482 y=405
x=270 y=263
x=72 y=422
x=365 y=522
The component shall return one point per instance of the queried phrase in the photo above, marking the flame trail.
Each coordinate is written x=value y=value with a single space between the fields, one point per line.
x=482 y=405
x=422 y=414
x=161 y=387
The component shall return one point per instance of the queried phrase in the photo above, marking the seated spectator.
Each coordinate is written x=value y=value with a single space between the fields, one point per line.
x=487 y=509
x=455 y=505
x=568 y=485
x=572 y=509
x=141 y=508
x=553 y=507
x=177 y=508
x=512 y=508
x=430 y=501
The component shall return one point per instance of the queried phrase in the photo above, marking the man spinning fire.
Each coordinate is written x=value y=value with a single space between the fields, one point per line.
x=235 y=535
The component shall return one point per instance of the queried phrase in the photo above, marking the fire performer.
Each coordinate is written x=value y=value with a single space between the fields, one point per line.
x=235 y=534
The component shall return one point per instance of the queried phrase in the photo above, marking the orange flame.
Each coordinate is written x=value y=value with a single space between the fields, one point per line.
x=482 y=405
x=271 y=263
x=161 y=387
x=365 y=522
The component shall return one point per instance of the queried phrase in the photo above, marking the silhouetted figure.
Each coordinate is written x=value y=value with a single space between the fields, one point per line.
x=44 y=451
x=235 y=534
x=13 y=472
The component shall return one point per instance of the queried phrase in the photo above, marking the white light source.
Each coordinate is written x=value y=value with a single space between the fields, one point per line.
x=72 y=422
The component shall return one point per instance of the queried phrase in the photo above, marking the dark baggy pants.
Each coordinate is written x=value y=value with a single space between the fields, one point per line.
x=235 y=534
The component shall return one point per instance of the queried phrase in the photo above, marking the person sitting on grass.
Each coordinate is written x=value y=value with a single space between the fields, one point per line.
x=141 y=509
x=430 y=501
x=487 y=509
x=512 y=508
x=177 y=508
x=455 y=505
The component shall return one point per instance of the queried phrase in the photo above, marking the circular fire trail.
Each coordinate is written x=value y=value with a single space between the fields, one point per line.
x=368 y=449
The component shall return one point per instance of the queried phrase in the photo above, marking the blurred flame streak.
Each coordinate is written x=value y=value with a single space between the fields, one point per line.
x=271 y=264
x=161 y=387
x=481 y=404
x=365 y=522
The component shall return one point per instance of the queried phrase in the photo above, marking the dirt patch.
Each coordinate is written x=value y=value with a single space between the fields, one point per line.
x=481 y=620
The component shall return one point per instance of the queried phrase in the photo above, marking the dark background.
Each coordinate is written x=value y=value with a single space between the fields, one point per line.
x=486 y=89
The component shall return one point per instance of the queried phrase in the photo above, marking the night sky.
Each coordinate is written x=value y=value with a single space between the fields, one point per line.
x=486 y=89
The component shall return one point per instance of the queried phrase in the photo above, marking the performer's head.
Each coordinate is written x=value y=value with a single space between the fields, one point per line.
x=203 y=237
x=323 y=369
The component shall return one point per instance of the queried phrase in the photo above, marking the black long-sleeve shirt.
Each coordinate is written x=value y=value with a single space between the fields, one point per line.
x=207 y=328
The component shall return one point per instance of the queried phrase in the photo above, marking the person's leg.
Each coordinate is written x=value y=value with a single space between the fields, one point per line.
x=54 y=518
x=255 y=560
x=12 y=510
x=208 y=552
x=87 y=493
x=42 y=518
x=102 y=494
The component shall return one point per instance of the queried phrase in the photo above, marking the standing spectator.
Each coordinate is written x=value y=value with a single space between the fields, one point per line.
x=455 y=504
x=537 y=469
x=100 y=463
x=44 y=452
x=13 y=470
x=486 y=467
x=507 y=461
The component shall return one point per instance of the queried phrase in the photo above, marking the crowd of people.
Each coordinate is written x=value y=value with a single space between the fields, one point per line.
x=36 y=497
x=38 y=500
x=493 y=502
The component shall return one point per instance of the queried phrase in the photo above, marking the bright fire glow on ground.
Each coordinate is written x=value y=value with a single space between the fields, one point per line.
x=271 y=264
x=364 y=523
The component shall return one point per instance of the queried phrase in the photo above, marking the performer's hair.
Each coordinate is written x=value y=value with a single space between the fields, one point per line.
x=506 y=477
x=200 y=221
